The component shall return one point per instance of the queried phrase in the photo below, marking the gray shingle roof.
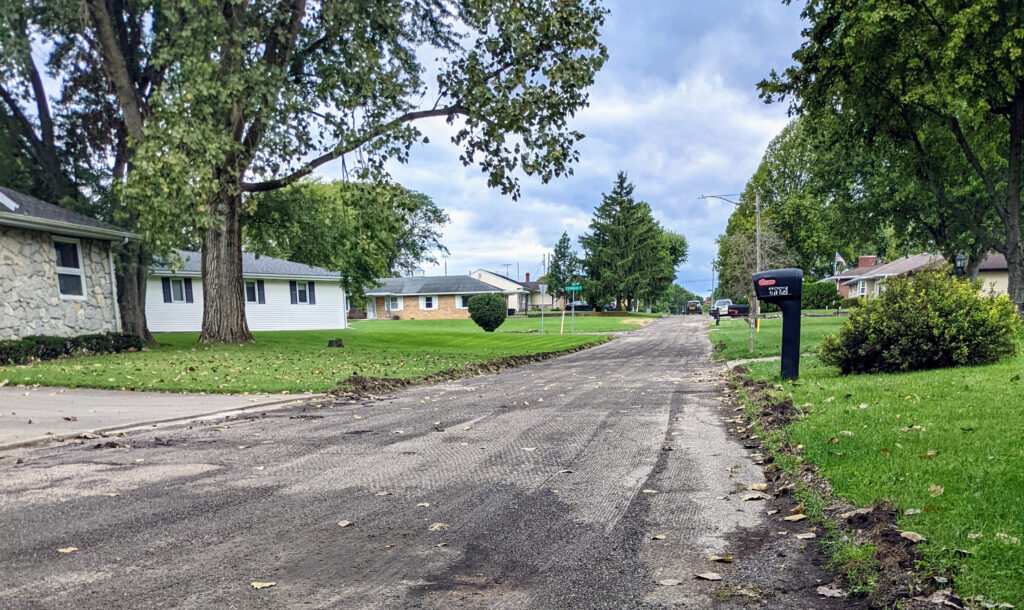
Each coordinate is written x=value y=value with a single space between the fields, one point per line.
x=993 y=261
x=447 y=284
x=35 y=213
x=900 y=266
x=252 y=266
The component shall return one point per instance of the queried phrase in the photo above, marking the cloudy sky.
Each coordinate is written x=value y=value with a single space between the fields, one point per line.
x=675 y=107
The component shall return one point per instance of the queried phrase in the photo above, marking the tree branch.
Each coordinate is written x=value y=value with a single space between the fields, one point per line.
x=305 y=170
x=116 y=68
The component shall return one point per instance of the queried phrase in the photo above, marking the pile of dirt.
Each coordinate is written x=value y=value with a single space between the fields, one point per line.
x=897 y=584
x=359 y=386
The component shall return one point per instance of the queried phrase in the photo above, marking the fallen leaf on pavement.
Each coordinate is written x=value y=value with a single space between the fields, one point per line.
x=423 y=505
x=529 y=448
x=669 y=582
x=258 y=467
x=649 y=491
x=798 y=517
x=68 y=549
x=758 y=487
x=112 y=495
x=709 y=576
x=798 y=509
x=658 y=537
x=383 y=493
x=566 y=471
x=726 y=559
x=912 y=536
x=806 y=536
x=68 y=417
x=830 y=591
x=757 y=496
x=437 y=526
x=344 y=523
x=262 y=585
x=442 y=544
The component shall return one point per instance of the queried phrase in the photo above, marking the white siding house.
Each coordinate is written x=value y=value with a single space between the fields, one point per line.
x=279 y=295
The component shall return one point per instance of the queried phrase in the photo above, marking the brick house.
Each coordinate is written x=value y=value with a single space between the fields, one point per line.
x=867 y=279
x=426 y=298
x=56 y=270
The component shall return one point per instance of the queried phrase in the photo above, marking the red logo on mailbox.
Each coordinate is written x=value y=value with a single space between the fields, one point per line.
x=766 y=282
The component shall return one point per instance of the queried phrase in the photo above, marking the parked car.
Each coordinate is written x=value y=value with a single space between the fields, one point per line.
x=693 y=307
x=579 y=306
x=722 y=306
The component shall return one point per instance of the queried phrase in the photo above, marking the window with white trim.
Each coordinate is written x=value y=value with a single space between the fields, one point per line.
x=862 y=287
x=428 y=303
x=250 y=292
x=302 y=290
x=70 y=271
x=177 y=290
x=462 y=301
x=395 y=303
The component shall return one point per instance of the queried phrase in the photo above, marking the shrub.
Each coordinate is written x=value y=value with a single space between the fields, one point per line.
x=44 y=347
x=819 y=295
x=487 y=310
x=925 y=321
x=851 y=302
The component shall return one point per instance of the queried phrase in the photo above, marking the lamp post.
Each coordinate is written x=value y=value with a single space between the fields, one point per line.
x=543 y=290
x=755 y=305
x=958 y=266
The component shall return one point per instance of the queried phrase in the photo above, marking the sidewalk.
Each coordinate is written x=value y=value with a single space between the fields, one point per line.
x=29 y=414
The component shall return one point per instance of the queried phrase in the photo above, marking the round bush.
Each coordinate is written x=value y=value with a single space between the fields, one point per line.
x=487 y=310
x=926 y=321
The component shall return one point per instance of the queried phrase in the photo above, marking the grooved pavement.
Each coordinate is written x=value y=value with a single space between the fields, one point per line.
x=535 y=475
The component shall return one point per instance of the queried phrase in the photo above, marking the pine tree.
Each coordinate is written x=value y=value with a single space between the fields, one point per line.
x=564 y=269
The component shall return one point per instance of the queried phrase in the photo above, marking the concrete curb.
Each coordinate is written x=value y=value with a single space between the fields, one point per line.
x=272 y=406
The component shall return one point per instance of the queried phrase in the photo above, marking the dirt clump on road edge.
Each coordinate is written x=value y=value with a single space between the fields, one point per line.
x=359 y=386
x=895 y=557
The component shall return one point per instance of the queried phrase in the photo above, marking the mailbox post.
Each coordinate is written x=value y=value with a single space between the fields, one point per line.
x=783 y=287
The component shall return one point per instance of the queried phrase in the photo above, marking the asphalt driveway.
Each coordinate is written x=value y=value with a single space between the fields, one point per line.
x=579 y=482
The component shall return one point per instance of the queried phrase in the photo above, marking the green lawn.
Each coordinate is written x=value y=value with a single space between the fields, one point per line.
x=735 y=334
x=583 y=324
x=293 y=361
x=948 y=443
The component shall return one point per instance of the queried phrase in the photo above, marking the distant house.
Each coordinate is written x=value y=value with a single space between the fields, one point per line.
x=867 y=279
x=522 y=296
x=56 y=270
x=425 y=298
x=279 y=295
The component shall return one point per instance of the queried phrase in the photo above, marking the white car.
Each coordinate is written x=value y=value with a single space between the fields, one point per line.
x=722 y=305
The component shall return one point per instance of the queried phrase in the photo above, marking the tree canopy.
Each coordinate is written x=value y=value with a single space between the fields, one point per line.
x=564 y=268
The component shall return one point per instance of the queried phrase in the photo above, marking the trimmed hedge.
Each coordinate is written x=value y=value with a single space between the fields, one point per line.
x=44 y=347
x=819 y=295
x=488 y=311
x=926 y=321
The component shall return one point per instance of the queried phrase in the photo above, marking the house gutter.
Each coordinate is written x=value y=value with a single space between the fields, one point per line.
x=64 y=228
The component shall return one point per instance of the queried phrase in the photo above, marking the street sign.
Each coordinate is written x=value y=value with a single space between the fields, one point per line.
x=574 y=288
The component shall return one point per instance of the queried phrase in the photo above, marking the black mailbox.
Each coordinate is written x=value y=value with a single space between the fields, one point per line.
x=784 y=287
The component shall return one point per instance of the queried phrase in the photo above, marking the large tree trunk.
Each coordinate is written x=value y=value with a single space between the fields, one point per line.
x=131 y=271
x=1014 y=179
x=223 y=290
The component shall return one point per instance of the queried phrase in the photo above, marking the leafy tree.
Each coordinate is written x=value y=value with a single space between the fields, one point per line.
x=564 y=268
x=941 y=83
x=214 y=100
x=358 y=229
x=420 y=234
x=737 y=259
x=674 y=299
x=628 y=256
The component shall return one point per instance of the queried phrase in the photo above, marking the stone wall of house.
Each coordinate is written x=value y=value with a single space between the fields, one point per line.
x=30 y=303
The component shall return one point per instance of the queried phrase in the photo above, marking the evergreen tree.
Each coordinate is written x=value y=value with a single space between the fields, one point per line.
x=628 y=255
x=564 y=269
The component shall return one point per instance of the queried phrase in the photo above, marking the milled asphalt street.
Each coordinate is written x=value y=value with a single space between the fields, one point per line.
x=539 y=487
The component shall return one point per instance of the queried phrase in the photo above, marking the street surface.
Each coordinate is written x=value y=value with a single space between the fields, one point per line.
x=539 y=487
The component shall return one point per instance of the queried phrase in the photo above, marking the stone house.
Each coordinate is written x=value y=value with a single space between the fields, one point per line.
x=56 y=270
x=426 y=298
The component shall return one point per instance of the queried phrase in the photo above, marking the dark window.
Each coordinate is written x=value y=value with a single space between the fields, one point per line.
x=177 y=290
x=70 y=284
x=67 y=254
x=301 y=292
x=70 y=279
x=250 y=292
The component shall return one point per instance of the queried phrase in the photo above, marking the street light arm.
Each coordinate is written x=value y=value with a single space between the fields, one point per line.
x=723 y=198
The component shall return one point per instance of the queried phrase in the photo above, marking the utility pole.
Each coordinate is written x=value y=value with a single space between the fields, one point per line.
x=507 y=265
x=755 y=325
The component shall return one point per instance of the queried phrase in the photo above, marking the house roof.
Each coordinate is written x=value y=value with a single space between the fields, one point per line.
x=854 y=272
x=993 y=261
x=252 y=266
x=504 y=277
x=900 y=266
x=27 y=212
x=446 y=284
